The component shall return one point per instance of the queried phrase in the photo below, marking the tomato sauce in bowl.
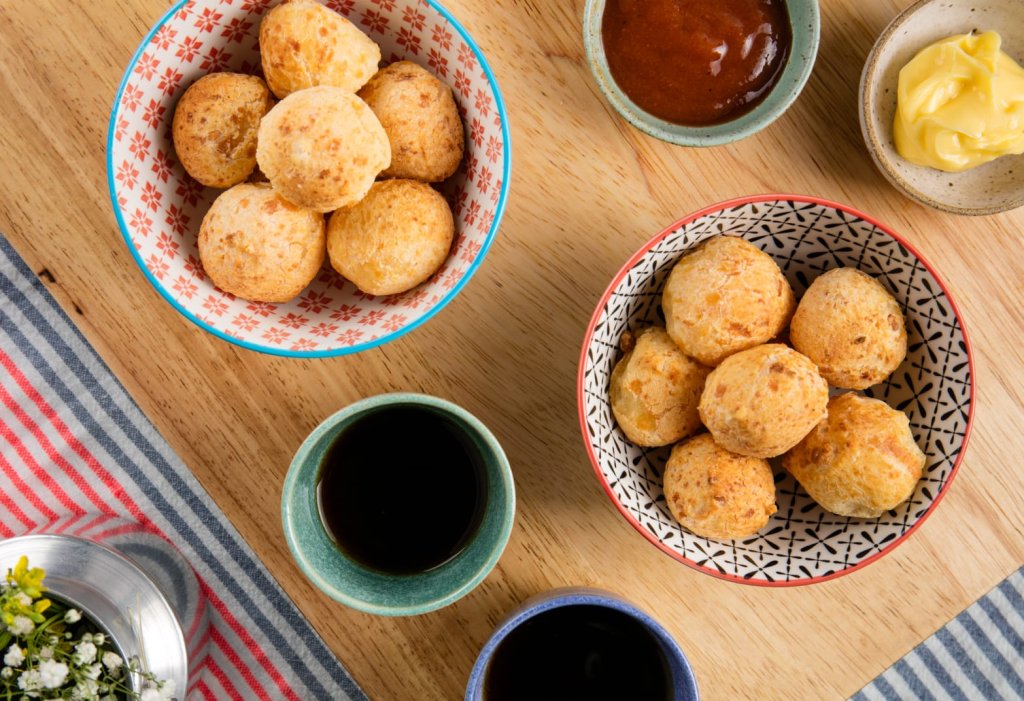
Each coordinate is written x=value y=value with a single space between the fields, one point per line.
x=695 y=62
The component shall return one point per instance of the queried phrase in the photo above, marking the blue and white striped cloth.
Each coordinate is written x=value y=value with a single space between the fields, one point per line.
x=977 y=655
x=77 y=456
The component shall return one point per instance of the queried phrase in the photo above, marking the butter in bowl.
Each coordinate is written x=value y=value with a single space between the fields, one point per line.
x=942 y=105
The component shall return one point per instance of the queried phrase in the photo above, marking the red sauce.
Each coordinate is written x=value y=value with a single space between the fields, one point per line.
x=696 y=62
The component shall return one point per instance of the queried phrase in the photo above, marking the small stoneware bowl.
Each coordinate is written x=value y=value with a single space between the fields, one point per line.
x=359 y=587
x=805 y=23
x=113 y=591
x=934 y=386
x=684 y=683
x=994 y=187
x=159 y=208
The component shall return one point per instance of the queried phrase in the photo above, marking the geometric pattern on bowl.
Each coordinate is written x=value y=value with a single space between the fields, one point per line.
x=802 y=543
x=159 y=207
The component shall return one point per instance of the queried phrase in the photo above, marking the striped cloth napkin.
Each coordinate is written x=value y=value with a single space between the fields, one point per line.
x=977 y=655
x=77 y=456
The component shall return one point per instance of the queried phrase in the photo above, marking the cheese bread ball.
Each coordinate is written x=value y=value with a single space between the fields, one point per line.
x=258 y=246
x=860 y=461
x=763 y=401
x=718 y=494
x=321 y=148
x=422 y=122
x=215 y=125
x=394 y=239
x=655 y=389
x=724 y=297
x=850 y=325
x=304 y=44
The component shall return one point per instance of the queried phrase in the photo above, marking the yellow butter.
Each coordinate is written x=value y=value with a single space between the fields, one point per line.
x=960 y=103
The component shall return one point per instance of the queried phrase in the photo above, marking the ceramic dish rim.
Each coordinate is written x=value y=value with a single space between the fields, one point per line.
x=291 y=488
x=632 y=261
x=874 y=142
x=499 y=210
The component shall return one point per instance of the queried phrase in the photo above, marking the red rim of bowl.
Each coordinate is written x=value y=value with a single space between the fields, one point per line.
x=588 y=337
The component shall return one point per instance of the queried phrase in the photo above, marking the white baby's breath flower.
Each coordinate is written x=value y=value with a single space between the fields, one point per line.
x=23 y=599
x=72 y=616
x=52 y=674
x=111 y=660
x=6 y=673
x=45 y=653
x=30 y=681
x=15 y=656
x=86 y=689
x=93 y=671
x=22 y=625
x=85 y=653
x=165 y=692
x=99 y=638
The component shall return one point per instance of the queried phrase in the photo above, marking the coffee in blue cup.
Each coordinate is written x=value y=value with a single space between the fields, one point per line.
x=581 y=644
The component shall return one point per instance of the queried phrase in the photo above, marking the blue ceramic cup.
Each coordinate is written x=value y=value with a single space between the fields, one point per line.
x=684 y=684
x=348 y=581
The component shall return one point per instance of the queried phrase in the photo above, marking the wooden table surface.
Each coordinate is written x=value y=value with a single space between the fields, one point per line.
x=587 y=190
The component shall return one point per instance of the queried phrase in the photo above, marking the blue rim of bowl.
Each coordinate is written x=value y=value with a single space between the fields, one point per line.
x=699 y=136
x=346 y=350
x=291 y=485
x=576 y=596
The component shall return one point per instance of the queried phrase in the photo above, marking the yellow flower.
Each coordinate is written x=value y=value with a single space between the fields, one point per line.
x=28 y=580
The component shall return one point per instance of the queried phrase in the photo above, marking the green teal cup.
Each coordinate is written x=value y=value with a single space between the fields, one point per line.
x=805 y=23
x=359 y=587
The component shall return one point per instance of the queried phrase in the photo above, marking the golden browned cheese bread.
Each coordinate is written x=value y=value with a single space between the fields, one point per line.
x=394 y=239
x=718 y=494
x=215 y=126
x=421 y=120
x=655 y=389
x=860 y=461
x=763 y=401
x=724 y=297
x=258 y=246
x=304 y=44
x=322 y=148
x=850 y=325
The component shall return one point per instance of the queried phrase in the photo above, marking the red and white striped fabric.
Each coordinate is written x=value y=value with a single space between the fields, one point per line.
x=77 y=456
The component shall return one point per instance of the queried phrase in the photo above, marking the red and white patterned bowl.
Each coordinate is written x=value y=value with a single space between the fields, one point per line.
x=802 y=543
x=159 y=207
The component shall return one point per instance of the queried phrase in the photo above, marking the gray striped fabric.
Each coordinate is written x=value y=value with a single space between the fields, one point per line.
x=977 y=655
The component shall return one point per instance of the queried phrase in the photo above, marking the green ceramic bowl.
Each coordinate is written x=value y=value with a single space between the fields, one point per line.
x=367 y=590
x=805 y=22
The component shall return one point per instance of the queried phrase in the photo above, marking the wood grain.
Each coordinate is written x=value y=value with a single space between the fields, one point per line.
x=587 y=190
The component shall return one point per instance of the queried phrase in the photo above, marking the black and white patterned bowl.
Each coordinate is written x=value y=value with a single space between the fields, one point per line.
x=802 y=542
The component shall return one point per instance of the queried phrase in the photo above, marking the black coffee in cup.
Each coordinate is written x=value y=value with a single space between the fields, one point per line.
x=402 y=489
x=579 y=652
